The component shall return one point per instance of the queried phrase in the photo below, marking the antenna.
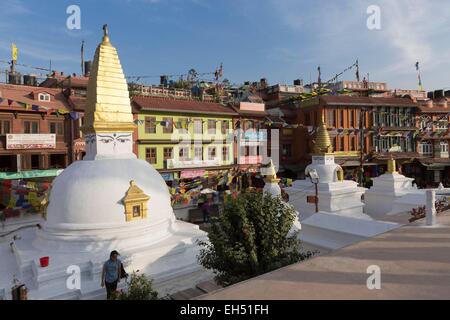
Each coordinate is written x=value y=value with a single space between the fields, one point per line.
x=82 y=58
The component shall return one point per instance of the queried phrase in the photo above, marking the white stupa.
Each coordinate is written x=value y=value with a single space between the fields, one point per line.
x=386 y=190
x=109 y=201
x=335 y=194
x=340 y=220
x=272 y=187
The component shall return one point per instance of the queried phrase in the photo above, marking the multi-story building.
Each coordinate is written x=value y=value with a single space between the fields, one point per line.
x=382 y=127
x=251 y=141
x=35 y=129
x=433 y=166
x=184 y=138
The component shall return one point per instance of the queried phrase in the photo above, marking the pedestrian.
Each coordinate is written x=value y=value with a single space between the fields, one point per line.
x=205 y=210
x=111 y=273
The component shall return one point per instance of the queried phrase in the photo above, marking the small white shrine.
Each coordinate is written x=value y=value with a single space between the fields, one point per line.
x=108 y=201
x=386 y=190
x=334 y=194
x=272 y=187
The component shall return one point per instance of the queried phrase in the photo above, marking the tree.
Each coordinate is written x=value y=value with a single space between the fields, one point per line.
x=139 y=288
x=251 y=237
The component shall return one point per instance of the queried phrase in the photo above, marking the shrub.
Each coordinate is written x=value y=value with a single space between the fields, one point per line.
x=251 y=237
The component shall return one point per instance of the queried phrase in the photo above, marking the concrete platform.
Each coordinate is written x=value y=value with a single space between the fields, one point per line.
x=414 y=262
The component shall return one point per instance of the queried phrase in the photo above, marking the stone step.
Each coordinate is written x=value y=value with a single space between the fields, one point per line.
x=208 y=286
x=187 y=294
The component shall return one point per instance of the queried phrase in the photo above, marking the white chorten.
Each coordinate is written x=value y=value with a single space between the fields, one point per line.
x=386 y=189
x=271 y=185
x=109 y=201
x=335 y=195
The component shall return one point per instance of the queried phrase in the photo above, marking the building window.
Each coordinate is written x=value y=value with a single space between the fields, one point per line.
x=198 y=153
x=225 y=126
x=150 y=125
x=5 y=126
x=351 y=119
x=30 y=127
x=341 y=118
x=442 y=125
x=342 y=143
x=426 y=148
x=168 y=153
x=57 y=128
x=211 y=126
x=331 y=121
x=183 y=153
x=44 y=97
x=168 y=125
x=287 y=150
x=198 y=126
x=352 y=143
x=211 y=153
x=150 y=155
x=444 y=146
x=225 y=154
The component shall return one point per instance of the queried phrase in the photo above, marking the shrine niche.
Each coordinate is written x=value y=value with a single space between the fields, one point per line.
x=135 y=202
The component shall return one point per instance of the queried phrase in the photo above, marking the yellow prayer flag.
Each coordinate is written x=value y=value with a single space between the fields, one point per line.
x=14 y=52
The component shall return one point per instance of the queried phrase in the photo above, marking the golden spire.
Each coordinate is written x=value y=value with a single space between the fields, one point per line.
x=108 y=107
x=322 y=142
x=391 y=167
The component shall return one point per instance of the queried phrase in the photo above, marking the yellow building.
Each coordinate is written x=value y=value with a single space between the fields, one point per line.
x=184 y=138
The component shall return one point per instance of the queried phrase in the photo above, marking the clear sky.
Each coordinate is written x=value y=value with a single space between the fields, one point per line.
x=280 y=40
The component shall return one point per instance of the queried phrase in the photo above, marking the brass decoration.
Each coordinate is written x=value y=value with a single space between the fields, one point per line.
x=391 y=166
x=322 y=142
x=135 y=202
x=270 y=173
x=108 y=107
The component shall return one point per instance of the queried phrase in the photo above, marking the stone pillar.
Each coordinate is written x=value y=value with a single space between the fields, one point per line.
x=430 y=208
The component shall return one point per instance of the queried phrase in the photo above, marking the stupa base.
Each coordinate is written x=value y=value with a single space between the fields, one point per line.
x=171 y=263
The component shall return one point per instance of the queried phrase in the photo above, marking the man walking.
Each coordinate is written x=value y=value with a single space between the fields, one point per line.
x=111 y=273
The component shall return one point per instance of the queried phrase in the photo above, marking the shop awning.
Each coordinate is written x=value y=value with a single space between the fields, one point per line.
x=30 y=174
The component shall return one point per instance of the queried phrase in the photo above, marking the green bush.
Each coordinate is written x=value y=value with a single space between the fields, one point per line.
x=139 y=288
x=251 y=237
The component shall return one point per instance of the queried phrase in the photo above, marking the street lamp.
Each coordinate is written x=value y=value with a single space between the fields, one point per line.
x=314 y=177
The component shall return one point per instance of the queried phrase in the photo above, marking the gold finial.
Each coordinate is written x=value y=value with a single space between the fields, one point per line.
x=391 y=166
x=322 y=141
x=132 y=183
x=105 y=34
x=108 y=107
x=270 y=172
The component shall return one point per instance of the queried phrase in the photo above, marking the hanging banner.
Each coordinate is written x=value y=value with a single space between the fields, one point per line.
x=30 y=141
x=189 y=174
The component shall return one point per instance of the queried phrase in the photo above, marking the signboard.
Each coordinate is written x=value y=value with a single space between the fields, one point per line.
x=30 y=141
x=311 y=199
x=189 y=174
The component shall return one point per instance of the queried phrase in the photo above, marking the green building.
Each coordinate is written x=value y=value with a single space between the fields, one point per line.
x=184 y=138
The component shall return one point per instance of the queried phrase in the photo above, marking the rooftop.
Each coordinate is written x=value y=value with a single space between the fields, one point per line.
x=359 y=101
x=180 y=105
x=25 y=94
